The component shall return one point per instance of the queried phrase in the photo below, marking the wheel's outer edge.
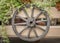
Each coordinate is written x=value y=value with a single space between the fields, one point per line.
x=35 y=39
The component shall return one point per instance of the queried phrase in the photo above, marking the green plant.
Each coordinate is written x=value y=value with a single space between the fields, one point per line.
x=5 y=14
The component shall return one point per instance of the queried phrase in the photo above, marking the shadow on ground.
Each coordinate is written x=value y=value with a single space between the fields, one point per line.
x=46 y=40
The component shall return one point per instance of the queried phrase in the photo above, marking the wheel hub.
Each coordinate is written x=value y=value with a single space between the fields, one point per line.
x=31 y=22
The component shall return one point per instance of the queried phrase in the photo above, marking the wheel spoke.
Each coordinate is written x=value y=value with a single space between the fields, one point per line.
x=23 y=30
x=22 y=18
x=20 y=24
x=41 y=21
x=26 y=13
x=38 y=14
x=35 y=32
x=32 y=14
x=40 y=28
x=29 y=33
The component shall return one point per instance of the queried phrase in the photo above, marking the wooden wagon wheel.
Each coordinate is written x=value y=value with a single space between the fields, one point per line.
x=31 y=23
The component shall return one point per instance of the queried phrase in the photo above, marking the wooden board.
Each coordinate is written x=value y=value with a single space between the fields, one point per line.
x=53 y=32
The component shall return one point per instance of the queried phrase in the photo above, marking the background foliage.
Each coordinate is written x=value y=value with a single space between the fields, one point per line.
x=6 y=9
x=7 y=5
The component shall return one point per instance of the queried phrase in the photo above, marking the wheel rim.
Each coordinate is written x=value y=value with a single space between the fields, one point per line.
x=31 y=23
